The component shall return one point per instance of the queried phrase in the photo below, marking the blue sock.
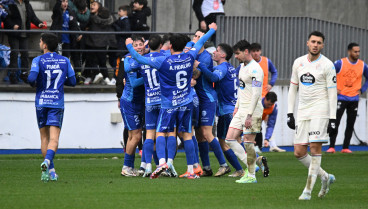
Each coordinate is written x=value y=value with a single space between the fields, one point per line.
x=155 y=158
x=148 y=150
x=195 y=143
x=257 y=155
x=216 y=147
x=132 y=160
x=127 y=160
x=143 y=159
x=50 y=155
x=160 y=147
x=233 y=160
x=203 y=151
x=171 y=147
x=189 y=151
x=166 y=150
x=51 y=166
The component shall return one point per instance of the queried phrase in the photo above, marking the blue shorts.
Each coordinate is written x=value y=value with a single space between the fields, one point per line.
x=207 y=113
x=151 y=116
x=223 y=125
x=49 y=116
x=195 y=115
x=132 y=114
x=180 y=117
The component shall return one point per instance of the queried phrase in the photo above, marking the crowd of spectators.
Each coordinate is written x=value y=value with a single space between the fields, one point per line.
x=86 y=51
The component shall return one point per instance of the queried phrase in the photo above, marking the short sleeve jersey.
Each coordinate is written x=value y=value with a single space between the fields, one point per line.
x=129 y=93
x=227 y=88
x=151 y=81
x=314 y=79
x=250 y=76
x=53 y=70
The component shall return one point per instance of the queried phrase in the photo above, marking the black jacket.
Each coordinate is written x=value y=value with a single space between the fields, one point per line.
x=14 y=18
x=57 y=21
x=138 y=19
x=123 y=26
x=98 y=23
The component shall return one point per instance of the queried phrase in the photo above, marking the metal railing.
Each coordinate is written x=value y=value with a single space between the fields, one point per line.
x=283 y=39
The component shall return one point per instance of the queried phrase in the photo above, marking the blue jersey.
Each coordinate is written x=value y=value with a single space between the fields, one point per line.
x=133 y=89
x=227 y=83
x=227 y=87
x=204 y=87
x=175 y=73
x=151 y=81
x=53 y=70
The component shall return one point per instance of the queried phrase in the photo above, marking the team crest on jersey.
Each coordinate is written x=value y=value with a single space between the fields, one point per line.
x=204 y=113
x=149 y=108
x=307 y=79
x=334 y=79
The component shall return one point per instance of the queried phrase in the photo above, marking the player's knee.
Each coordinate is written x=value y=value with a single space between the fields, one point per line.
x=299 y=154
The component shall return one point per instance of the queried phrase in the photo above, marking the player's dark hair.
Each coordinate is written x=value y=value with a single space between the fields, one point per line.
x=227 y=49
x=318 y=34
x=255 y=47
x=125 y=8
x=51 y=41
x=137 y=37
x=166 y=38
x=242 y=45
x=141 y=2
x=351 y=45
x=178 y=42
x=154 y=42
x=201 y=30
x=80 y=4
x=271 y=96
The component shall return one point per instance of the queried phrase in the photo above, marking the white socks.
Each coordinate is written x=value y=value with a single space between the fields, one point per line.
x=238 y=150
x=306 y=161
x=251 y=157
x=312 y=173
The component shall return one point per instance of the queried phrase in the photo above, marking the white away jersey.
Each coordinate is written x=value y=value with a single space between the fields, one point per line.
x=250 y=76
x=313 y=79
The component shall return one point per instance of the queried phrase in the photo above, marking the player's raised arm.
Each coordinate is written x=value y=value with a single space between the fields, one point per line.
x=194 y=51
x=214 y=76
x=151 y=61
x=134 y=80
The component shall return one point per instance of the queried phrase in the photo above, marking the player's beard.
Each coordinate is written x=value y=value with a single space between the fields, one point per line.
x=314 y=54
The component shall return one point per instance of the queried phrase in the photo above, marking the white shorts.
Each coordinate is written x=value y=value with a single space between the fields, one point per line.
x=238 y=122
x=313 y=130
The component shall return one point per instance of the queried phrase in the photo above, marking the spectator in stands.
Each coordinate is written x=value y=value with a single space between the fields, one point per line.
x=123 y=25
x=79 y=7
x=207 y=11
x=20 y=17
x=100 y=20
x=3 y=12
x=138 y=17
x=63 y=18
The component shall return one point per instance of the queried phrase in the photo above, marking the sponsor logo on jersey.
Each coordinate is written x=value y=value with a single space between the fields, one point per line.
x=256 y=83
x=307 y=79
x=311 y=133
x=241 y=84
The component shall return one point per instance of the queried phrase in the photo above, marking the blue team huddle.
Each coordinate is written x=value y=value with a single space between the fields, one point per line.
x=170 y=93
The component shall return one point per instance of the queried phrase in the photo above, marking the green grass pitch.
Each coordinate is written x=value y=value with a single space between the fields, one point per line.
x=94 y=181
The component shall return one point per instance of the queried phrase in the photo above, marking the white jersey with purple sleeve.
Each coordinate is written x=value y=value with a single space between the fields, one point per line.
x=53 y=70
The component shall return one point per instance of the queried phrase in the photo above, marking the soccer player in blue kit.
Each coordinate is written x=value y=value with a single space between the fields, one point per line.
x=226 y=80
x=207 y=111
x=132 y=106
x=153 y=105
x=49 y=73
x=175 y=73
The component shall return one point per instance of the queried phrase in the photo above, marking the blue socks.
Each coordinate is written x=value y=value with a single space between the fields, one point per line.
x=171 y=147
x=203 y=151
x=189 y=151
x=129 y=160
x=195 y=143
x=148 y=150
x=160 y=147
x=216 y=147
x=233 y=160
x=155 y=158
